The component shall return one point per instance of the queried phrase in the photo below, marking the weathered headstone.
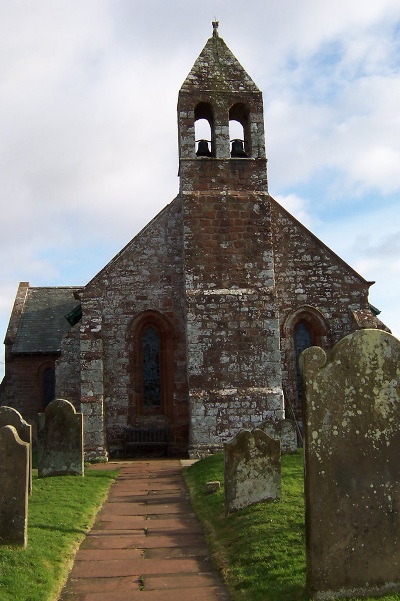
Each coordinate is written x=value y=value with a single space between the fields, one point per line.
x=285 y=431
x=60 y=440
x=252 y=469
x=11 y=417
x=14 y=477
x=352 y=466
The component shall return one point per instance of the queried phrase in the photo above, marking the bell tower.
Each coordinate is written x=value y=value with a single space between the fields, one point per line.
x=220 y=91
x=233 y=341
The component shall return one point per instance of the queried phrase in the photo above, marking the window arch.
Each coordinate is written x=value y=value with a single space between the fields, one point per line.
x=303 y=339
x=239 y=131
x=151 y=365
x=47 y=384
x=204 y=130
x=304 y=327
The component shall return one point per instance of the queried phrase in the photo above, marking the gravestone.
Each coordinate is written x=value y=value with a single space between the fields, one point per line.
x=60 y=440
x=252 y=469
x=11 y=417
x=285 y=431
x=14 y=477
x=352 y=466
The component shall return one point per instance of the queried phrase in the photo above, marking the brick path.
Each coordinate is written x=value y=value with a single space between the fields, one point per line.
x=146 y=543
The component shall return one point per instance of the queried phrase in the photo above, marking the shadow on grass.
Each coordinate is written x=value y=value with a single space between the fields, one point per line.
x=57 y=529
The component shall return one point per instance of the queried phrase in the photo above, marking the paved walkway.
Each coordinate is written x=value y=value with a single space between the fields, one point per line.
x=146 y=543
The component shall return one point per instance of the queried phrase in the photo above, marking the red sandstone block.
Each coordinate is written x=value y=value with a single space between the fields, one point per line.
x=107 y=586
x=114 y=568
x=200 y=580
x=202 y=594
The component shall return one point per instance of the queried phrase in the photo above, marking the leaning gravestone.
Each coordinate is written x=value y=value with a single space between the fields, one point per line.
x=352 y=466
x=11 y=417
x=285 y=431
x=60 y=440
x=14 y=477
x=252 y=469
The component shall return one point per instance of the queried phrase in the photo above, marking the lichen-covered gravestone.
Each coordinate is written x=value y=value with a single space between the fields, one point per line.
x=252 y=469
x=11 y=417
x=285 y=431
x=352 y=466
x=14 y=477
x=60 y=440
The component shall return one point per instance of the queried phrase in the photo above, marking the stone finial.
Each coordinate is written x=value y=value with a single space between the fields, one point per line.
x=215 y=25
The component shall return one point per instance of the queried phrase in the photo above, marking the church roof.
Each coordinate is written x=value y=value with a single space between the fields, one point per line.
x=217 y=69
x=42 y=322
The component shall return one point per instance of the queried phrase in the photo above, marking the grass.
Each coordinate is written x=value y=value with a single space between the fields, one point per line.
x=260 y=550
x=61 y=510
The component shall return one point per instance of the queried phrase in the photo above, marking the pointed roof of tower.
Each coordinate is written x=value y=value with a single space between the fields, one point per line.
x=217 y=69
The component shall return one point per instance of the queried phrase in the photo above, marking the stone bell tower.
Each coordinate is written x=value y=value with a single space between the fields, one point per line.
x=234 y=369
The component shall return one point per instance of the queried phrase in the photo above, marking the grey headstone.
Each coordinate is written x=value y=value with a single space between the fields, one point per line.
x=285 y=431
x=252 y=469
x=352 y=466
x=60 y=440
x=11 y=417
x=14 y=477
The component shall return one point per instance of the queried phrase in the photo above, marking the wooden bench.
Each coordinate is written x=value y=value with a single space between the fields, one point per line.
x=146 y=437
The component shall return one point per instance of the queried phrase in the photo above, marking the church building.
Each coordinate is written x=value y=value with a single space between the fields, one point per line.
x=196 y=325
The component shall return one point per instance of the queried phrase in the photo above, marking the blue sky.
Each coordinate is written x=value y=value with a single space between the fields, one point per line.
x=88 y=138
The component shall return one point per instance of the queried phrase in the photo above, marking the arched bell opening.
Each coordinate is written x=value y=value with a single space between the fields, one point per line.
x=204 y=130
x=239 y=131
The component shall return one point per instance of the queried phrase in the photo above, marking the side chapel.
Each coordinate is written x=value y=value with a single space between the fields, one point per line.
x=196 y=325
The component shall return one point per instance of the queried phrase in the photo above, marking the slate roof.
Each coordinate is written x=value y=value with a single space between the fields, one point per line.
x=42 y=323
x=217 y=68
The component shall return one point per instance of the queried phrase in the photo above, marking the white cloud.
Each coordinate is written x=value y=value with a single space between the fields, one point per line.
x=88 y=140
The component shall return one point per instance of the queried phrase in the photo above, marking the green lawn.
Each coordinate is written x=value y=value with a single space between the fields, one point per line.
x=61 y=510
x=260 y=550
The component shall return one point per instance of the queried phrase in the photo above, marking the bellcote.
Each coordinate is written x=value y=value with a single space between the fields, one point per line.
x=219 y=92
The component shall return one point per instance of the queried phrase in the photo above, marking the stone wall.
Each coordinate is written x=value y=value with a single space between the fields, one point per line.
x=232 y=326
x=23 y=384
x=146 y=276
x=68 y=385
x=314 y=284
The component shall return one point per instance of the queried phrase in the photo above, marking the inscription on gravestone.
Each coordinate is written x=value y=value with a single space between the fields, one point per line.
x=60 y=440
x=252 y=469
x=11 y=417
x=352 y=466
x=14 y=475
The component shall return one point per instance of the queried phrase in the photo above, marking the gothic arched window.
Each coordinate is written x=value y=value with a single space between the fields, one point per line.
x=302 y=341
x=151 y=383
x=151 y=365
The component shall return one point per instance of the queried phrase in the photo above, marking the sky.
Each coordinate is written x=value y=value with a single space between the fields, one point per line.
x=88 y=128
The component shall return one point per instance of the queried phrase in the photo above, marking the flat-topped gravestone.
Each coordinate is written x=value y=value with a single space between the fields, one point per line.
x=14 y=477
x=252 y=469
x=11 y=417
x=60 y=440
x=352 y=466
x=285 y=431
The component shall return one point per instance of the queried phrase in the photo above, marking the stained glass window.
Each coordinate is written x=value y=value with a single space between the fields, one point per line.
x=151 y=368
x=302 y=340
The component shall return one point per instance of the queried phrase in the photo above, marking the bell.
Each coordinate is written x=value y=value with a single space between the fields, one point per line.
x=238 y=149
x=202 y=149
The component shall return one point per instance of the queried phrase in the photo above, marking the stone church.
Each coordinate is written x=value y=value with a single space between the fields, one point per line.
x=196 y=325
